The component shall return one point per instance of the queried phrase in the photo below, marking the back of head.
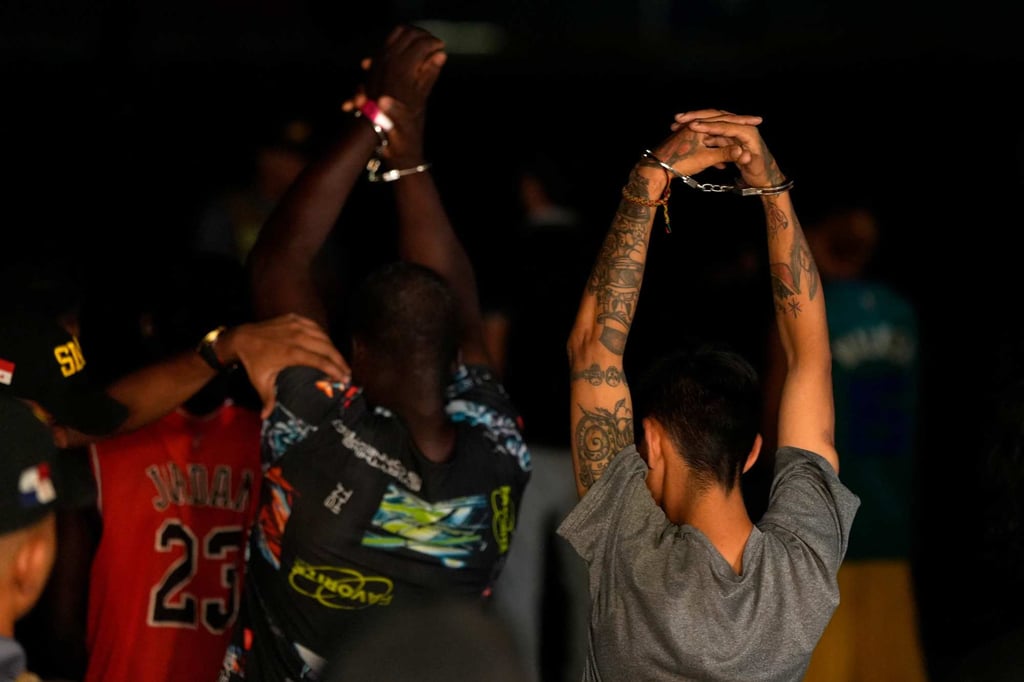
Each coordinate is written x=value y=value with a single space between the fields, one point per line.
x=708 y=400
x=405 y=314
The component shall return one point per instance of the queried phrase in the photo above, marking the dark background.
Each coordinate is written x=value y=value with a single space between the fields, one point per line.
x=121 y=119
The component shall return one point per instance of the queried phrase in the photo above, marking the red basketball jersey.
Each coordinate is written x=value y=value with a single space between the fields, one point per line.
x=177 y=498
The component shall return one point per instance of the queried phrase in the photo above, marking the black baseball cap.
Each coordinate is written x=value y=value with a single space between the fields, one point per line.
x=40 y=361
x=28 y=463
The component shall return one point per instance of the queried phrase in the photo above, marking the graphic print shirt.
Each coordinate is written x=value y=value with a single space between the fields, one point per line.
x=353 y=518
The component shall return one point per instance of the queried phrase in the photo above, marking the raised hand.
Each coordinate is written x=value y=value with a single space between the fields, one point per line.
x=739 y=137
x=265 y=348
x=400 y=77
x=688 y=150
x=405 y=68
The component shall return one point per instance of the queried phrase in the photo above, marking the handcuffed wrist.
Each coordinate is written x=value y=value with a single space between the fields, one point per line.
x=739 y=187
x=373 y=173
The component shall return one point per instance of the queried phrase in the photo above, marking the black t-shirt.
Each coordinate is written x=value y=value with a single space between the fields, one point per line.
x=354 y=519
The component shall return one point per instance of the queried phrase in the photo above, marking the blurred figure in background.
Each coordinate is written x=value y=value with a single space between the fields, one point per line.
x=231 y=221
x=28 y=527
x=984 y=612
x=530 y=293
x=874 y=333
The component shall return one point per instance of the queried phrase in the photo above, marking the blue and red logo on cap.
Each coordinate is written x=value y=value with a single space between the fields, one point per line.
x=35 y=486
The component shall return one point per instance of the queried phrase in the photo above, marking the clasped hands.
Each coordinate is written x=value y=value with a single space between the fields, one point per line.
x=399 y=78
x=706 y=138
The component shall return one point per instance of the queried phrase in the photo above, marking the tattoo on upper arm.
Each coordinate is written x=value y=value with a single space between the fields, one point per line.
x=601 y=434
x=618 y=271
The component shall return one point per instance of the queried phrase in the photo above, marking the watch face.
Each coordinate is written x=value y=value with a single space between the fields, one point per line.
x=207 y=352
x=211 y=336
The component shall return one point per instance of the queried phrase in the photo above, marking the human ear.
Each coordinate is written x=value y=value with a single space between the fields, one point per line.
x=654 y=454
x=755 y=450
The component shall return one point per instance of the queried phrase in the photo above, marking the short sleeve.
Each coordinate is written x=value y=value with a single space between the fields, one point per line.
x=610 y=506
x=810 y=504
x=304 y=398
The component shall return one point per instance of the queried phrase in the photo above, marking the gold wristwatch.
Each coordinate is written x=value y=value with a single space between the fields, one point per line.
x=208 y=353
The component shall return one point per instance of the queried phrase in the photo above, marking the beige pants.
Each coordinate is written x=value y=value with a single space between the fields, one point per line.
x=873 y=635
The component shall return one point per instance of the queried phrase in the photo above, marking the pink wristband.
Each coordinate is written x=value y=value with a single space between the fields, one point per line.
x=373 y=112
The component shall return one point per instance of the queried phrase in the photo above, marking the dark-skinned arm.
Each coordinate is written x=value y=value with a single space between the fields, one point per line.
x=425 y=232
x=262 y=348
x=282 y=259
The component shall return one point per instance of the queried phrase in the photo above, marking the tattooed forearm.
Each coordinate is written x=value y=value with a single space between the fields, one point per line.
x=600 y=435
x=776 y=218
x=775 y=175
x=803 y=262
x=798 y=276
x=595 y=376
x=618 y=271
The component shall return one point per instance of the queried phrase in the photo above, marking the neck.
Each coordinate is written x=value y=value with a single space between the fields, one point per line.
x=722 y=517
x=421 y=406
x=6 y=624
x=434 y=435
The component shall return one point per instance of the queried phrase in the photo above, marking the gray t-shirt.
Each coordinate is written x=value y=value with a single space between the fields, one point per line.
x=667 y=606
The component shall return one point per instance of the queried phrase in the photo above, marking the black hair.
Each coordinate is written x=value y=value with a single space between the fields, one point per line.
x=406 y=312
x=708 y=399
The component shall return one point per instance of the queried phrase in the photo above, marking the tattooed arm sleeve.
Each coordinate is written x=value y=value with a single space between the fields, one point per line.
x=601 y=409
x=806 y=416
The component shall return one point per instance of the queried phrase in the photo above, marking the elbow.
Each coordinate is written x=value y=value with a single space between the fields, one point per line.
x=811 y=355
x=578 y=345
x=585 y=348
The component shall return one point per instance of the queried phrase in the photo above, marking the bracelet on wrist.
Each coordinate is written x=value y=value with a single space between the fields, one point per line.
x=371 y=110
x=645 y=201
x=382 y=135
